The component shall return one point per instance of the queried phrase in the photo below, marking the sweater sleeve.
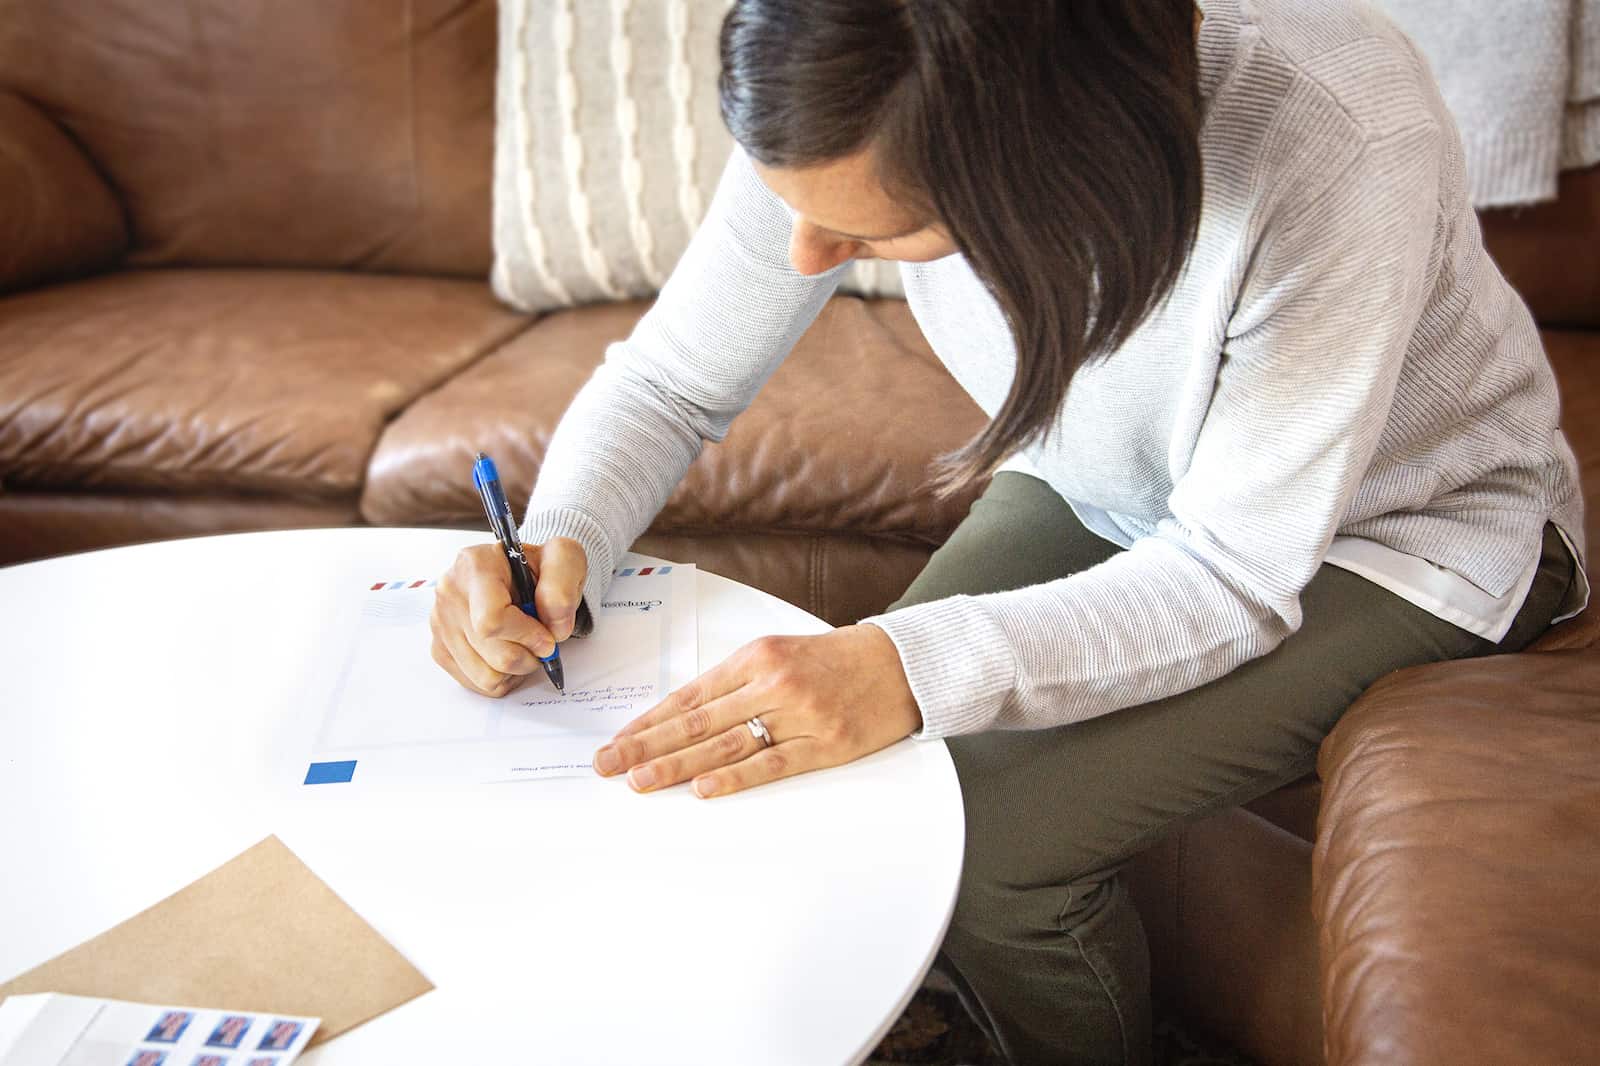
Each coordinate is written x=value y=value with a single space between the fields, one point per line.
x=731 y=311
x=1307 y=377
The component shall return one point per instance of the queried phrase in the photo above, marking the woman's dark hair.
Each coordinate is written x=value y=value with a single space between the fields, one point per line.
x=1058 y=141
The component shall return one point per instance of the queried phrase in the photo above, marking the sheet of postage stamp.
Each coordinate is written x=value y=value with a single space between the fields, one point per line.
x=57 y=1030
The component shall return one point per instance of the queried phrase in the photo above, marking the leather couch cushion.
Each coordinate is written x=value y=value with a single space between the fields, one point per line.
x=837 y=577
x=59 y=219
x=1293 y=807
x=839 y=441
x=334 y=133
x=1575 y=355
x=206 y=381
x=1549 y=252
x=1454 y=880
x=36 y=525
x=1226 y=907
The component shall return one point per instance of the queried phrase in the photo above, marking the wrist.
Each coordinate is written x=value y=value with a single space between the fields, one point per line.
x=891 y=673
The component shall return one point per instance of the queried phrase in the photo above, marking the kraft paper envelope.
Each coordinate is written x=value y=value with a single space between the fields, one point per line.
x=259 y=933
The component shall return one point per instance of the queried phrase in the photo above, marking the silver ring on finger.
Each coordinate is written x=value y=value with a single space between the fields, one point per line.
x=758 y=729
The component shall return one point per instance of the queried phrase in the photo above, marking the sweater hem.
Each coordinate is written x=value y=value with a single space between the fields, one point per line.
x=958 y=661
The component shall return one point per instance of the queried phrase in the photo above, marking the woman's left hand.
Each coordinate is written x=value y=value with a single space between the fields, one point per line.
x=824 y=700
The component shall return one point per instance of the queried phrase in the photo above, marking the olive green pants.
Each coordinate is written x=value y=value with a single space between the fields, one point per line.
x=1044 y=947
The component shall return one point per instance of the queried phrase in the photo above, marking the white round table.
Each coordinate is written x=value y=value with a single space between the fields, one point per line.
x=155 y=702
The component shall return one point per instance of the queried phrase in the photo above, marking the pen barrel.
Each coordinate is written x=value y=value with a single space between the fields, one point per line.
x=521 y=582
x=499 y=514
x=504 y=526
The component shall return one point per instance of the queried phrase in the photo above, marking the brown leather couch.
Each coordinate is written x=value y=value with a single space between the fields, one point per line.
x=242 y=259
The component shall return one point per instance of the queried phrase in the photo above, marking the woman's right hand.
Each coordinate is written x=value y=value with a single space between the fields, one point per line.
x=480 y=637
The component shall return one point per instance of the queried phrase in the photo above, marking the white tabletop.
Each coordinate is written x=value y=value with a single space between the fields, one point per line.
x=155 y=700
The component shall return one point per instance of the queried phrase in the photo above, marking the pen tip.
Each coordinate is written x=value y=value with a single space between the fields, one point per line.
x=482 y=456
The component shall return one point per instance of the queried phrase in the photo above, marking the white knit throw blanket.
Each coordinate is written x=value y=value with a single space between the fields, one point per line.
x=1523 y=80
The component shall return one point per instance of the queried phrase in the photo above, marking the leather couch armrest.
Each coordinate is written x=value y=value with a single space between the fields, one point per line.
x=1455 y=875
x=58 y=218
x=1580 y=632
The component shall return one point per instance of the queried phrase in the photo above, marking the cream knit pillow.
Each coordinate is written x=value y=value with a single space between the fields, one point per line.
x=608 y=146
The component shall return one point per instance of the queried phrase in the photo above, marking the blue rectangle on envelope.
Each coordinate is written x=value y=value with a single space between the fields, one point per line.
x=330 y=773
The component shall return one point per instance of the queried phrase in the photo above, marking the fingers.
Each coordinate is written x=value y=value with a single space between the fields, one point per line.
x=475 y=675
x=485 y=581
x=688 y=706
x=700 y=732
x=825 y=699
x=782 y=760
x=480 y=637
x=728 y=746
x=562 y=568
x=692 y=721
x=732 y=760
x=691 y=717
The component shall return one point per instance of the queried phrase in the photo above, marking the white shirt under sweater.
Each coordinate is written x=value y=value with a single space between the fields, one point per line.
x=1340 y=359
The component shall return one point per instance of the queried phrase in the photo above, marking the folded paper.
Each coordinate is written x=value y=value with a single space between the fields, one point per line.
x=259 y=933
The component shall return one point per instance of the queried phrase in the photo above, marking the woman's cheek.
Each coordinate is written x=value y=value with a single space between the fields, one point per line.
x=920 y=250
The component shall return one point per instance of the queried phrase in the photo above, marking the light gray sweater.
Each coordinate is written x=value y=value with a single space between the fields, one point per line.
x=1340 y=357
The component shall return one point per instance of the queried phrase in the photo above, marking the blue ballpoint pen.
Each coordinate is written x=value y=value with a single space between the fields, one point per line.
x=487 y=480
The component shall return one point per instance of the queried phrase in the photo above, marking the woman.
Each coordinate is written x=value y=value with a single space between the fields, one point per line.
x=1269 y=425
